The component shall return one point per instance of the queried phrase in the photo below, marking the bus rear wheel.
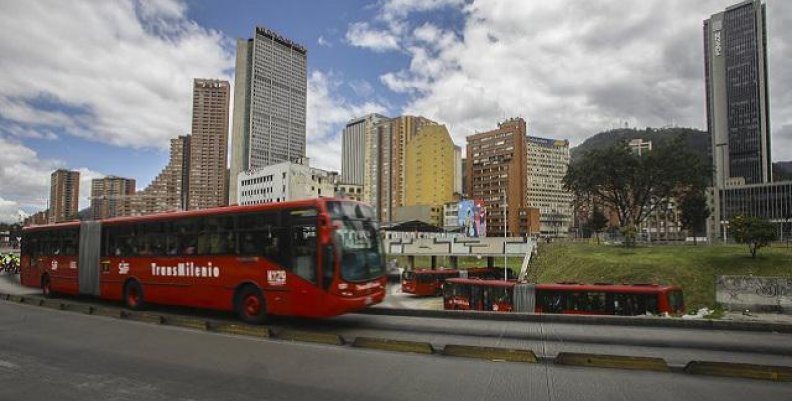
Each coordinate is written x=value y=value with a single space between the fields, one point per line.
x=250 y=305
x=46 y=287
x=133 y=295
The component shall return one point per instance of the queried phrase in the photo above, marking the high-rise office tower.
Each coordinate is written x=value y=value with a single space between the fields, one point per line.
x=403 y=130
x=735 y=60
x=206 y=183
x=271 y=82
x=64 y=195
x=361 y=163
x=548 y=160
x=430 y=168
x=111 y=196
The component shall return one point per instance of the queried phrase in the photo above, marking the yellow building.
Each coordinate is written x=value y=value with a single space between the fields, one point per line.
x=429 y=167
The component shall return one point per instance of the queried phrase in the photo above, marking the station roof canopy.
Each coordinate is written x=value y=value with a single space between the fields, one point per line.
x=415 y=226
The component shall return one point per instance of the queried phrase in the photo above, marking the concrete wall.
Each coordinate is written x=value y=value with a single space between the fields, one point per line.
x=755 y=293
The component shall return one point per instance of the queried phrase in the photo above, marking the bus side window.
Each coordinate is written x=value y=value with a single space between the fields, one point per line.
x=304 y=251
x=184 y=237
x=651 y=304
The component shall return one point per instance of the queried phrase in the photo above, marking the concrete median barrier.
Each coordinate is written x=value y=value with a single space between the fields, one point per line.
x=612 y=361
x=106 y=312
x=187 y=322
x=311 y=337
x=79 y=308
x=490 y=353
x=743 y=370
x=384 y=344
x=142 y=317
x=240 y=329
x=636 y=321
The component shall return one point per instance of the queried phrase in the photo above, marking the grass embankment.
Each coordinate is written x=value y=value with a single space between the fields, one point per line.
x=694 y=268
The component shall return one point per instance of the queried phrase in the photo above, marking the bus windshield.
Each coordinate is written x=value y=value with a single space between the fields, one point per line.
x=358 y=240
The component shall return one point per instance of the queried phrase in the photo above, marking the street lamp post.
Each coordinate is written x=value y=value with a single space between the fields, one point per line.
x=724 y=209
x=505 y=267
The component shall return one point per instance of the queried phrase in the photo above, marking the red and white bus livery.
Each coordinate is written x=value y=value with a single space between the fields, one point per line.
x=562 y=298
x=312 y=258
x=429 y=282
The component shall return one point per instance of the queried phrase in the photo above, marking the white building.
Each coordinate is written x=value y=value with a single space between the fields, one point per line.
x=548 y=160
x=349 y=191
x=451 y=216
x=286 y=181
x=639 y=146
x=457 y=170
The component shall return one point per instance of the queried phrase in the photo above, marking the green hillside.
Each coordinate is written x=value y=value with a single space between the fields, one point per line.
x=696 y=140
x=694 y=268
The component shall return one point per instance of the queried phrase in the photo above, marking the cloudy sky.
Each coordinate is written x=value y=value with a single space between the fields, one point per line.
x=100 y=86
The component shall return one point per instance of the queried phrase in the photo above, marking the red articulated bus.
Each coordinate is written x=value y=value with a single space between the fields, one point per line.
x=313 y=258
x=563 y=298
x=428 y=282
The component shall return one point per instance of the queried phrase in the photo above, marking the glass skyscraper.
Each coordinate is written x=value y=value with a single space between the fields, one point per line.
x=271 y=83
x=735 y=47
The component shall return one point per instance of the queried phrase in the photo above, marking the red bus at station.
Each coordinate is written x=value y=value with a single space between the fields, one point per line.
x=312 y=258
x=563 y=298
x=428 y=282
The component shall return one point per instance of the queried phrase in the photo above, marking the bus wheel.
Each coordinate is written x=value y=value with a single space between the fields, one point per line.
x=46 y=287
x=250 y=305
x=133 y=295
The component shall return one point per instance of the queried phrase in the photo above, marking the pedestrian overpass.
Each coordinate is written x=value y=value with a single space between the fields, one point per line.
x=456 y=247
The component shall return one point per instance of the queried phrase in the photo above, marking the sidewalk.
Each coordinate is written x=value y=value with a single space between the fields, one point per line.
x=759 y=317
x=9 y=284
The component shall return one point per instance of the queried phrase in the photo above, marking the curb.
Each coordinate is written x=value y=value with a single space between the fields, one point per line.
x=490 y=353
x=87 y=309
x=187 y=322
x=142 y=317
x=743 y=370
x=240 y=330
x=107 y=312
x=705 y=368
x=307 y=336
x=703 y=324
x=384 y=344
x=612 y=361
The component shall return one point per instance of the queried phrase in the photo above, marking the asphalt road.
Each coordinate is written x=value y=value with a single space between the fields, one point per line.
x=52 y=355
x=677 y=346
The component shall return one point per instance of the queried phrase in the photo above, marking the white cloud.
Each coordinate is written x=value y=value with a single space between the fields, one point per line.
x=115 y=72
x=326 y=115
x=399 y=9
x=391 y=24
x=321 y=41
x=25 y=179
x=571 y=68
x=10 y=212
x=361 y=34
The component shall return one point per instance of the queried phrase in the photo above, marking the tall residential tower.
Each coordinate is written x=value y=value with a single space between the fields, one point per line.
x=270 y=89
x=207 y=185
x=64 y=195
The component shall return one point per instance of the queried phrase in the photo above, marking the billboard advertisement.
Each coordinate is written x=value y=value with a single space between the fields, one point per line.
x=472 y=218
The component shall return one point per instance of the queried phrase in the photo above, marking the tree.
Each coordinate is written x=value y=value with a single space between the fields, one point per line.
x=695 y=211
x=633 y=186
x=597 y=222
x=756 y=232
